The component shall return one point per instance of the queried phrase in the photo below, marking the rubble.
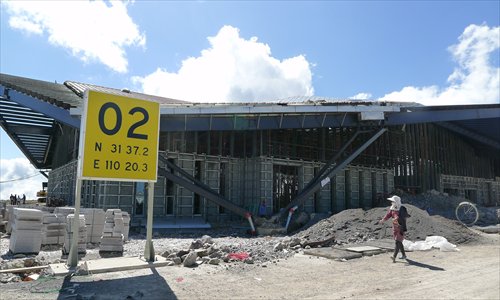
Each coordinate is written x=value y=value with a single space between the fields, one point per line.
x=226 y=245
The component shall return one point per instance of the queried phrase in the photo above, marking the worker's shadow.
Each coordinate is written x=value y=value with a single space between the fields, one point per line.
x=422 y=265
x=151 y=286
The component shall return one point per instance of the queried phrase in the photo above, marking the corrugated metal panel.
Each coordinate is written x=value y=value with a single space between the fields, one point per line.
x=79 y=89
x=54 y=93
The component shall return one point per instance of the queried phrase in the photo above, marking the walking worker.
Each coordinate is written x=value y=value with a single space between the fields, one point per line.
x=397 y=230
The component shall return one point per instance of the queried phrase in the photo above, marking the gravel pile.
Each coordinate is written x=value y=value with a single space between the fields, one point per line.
x=354 y=226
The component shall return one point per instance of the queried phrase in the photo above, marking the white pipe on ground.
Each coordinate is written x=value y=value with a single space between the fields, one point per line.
x=290 y=213
x=249 y=218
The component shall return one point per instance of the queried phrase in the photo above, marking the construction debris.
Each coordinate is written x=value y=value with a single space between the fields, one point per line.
x=350 y=228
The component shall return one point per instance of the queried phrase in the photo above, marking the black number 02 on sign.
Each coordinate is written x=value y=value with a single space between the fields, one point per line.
x=120 y=138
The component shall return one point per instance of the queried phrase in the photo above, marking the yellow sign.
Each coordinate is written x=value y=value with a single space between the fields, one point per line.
x=120 y=138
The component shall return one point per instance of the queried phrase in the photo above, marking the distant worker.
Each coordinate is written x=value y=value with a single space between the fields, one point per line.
x=24 y=199
x=262 y=209
x=397 y=229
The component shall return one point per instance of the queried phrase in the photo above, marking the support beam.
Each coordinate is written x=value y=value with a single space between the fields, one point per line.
x=27 y=129
x=196 y=186
x=470 y=134
x=330 y=172
x=419 y=115
x=60 y=114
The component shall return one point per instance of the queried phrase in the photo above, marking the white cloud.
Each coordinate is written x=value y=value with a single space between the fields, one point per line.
x=18 y=168
x=232 y=69
x=361 y=96
x=475 y=80
x=91 y=30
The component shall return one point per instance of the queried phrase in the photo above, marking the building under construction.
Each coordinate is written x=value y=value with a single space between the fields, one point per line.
x=219 y=162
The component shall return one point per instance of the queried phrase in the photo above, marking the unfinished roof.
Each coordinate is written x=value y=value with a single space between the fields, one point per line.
x=31 y=109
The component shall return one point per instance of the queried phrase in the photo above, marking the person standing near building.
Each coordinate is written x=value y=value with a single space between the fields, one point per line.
x=397 y=230
x=262 y=209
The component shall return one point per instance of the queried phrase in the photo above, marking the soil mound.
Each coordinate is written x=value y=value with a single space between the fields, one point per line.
x=358 y=225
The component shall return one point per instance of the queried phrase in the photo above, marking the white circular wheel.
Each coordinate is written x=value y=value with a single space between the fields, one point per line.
x=467 y=213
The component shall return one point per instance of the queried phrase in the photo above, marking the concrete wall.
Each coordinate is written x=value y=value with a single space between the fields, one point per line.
x=479 y=190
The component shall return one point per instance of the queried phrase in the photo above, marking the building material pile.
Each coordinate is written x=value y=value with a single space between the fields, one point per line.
x=53 y=229
x=112 y=235
x=94 y=219
x=26 y=234
x=70 y=230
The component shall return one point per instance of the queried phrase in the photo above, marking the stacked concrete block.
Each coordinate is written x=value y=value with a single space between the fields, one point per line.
x=70 y=230
x=65 y=211
x=26 y=236
x=3 y=211
x=126 y=225
x=9 y=217
x=53 y=229
x=94 y=219
x=112 y=234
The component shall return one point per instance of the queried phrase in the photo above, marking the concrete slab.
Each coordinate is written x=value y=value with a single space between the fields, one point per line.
x=114 y=264
x=374 y=252
x=122 y=264
x=362 y=249
x=59 y=269
x=332 y=253
x=386 y=244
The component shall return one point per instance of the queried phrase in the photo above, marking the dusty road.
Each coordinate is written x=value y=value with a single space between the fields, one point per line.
x=472 y=273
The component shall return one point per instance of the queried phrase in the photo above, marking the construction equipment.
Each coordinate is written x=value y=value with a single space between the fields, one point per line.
x=42 y=194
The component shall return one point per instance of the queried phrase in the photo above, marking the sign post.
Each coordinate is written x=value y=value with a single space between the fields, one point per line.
x=118 y=142
x=149 y=251
x=73 y=250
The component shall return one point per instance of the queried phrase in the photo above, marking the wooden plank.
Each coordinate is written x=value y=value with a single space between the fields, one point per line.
x=23 y=270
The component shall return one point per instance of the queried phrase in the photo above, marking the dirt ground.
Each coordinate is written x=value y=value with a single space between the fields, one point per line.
x=471 y=273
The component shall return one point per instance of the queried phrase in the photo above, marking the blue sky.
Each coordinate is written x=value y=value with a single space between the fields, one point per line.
x=432 y=52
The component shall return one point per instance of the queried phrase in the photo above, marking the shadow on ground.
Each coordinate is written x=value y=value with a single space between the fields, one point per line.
x=422 y=265
x=151 y=286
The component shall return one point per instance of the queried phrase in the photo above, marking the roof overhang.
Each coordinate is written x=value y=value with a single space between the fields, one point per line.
x=32 y=124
